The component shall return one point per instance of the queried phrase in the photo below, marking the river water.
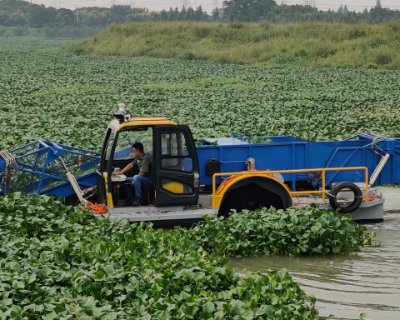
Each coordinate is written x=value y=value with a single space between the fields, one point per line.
x=349 y=284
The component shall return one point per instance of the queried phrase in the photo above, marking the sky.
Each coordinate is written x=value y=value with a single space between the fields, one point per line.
x=209 y=5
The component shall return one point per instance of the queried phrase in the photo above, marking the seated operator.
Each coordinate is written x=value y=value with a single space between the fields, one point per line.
x=144 y=178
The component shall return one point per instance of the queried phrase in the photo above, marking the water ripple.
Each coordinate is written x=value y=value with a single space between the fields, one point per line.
x=349 y=284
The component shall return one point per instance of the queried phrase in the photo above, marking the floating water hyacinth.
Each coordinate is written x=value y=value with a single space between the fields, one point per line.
x=293 y=232
x=70 y=99
x=63 y=262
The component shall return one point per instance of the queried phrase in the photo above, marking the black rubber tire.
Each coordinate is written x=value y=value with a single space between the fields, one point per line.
x=250 y=197
x=357 y=197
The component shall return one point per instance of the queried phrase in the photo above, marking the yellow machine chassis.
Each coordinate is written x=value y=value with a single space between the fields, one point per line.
x=218 y=194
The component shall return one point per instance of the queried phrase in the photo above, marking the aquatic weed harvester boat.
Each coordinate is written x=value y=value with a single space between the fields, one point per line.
x=193 y=178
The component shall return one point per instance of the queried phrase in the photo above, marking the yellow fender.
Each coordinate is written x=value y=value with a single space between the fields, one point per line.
x=244 y=183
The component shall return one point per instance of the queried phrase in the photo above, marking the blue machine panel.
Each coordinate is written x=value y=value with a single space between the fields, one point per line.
x=43 y=166
x=42 y=163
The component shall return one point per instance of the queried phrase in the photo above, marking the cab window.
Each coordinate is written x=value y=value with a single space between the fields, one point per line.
x=127 y=138
x=174 y=154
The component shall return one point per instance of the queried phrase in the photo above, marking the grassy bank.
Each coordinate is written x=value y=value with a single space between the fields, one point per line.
x=51 y=31
x=311 y=44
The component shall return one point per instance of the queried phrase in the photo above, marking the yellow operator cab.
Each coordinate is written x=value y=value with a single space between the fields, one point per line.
x=175 y=172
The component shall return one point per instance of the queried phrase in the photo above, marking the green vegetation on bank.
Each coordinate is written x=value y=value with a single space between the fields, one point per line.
x=63 y=262
x=307 y=44
x=50 y=31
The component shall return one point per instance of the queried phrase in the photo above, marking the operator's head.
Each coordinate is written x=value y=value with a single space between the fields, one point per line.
x=137 y=149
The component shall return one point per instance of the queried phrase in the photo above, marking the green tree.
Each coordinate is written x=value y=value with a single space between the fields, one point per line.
x=163 y=15
x=65 y=17
x=172 y=15
x=190 y=14
x=247 y=10
x=39 y=16
x=215 y=14
x=198 y=14
x=182 y=14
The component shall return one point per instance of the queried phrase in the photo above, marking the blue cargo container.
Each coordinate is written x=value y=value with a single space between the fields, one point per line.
x=285 y=153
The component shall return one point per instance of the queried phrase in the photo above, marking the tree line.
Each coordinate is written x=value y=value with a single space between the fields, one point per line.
x=17 y=13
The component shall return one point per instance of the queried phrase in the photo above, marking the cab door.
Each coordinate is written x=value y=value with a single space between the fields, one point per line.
x=176 y=168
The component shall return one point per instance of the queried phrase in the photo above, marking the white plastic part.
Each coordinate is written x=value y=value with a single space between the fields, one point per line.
x=118 y=178
x=251 y=164
x=76 y=187
x=279 y=177
x=379 y=168
x=121 y=107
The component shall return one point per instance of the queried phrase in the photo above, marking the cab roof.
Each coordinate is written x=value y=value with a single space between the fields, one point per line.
x=141 y=121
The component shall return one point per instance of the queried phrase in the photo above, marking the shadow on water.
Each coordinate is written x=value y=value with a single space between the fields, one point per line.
x=349 y=284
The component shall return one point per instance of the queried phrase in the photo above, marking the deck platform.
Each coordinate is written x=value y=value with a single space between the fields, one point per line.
x=388 y=201
x=152 y=213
